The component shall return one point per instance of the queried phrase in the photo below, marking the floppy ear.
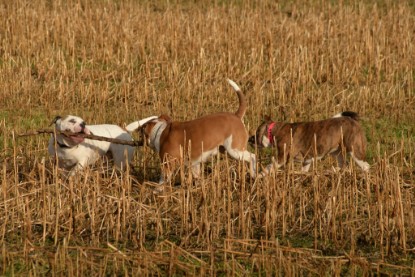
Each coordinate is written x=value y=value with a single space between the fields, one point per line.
x=165 y=117
x=56 y=119
x=266 y=118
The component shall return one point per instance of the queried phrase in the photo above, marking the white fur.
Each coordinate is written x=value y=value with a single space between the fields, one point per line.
x=363 y=165
x=265 y=141
x=234 y=85
x=76 y=155
x=137 y=124
x=236 y=154
x=241 y=155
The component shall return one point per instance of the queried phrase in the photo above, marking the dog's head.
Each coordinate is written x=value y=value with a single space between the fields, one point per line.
x=152 y=129
x=73 y=124
x=263 y=136
x=146 y=125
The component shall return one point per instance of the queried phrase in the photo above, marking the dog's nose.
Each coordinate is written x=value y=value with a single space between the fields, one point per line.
x=82 y=125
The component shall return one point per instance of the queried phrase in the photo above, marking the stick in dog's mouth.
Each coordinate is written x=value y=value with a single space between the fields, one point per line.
x=75 y=138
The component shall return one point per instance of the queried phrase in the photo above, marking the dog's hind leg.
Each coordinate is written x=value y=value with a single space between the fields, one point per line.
x=339 y=156
x=196 y=170
x=306 y=165
x=122 y=156
x=245 y=156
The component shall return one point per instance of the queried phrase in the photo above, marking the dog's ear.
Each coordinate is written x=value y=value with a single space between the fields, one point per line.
x=266 y=118
x=165 y=117
x=56 y=119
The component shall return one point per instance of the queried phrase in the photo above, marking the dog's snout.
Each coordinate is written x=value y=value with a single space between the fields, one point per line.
x=83 y=127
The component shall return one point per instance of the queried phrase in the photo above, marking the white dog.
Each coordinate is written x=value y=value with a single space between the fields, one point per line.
x=75 y=153
x=199 y=138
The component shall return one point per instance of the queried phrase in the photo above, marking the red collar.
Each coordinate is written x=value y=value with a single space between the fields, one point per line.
x=270 y=136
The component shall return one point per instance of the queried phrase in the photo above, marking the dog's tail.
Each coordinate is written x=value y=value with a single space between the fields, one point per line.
x=242 y=102
x=137 y=124
x=352 y=115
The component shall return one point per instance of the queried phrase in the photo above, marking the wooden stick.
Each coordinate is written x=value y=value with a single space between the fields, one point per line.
x=94 y=137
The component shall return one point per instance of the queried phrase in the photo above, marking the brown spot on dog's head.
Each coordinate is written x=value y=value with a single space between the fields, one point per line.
x=148 y=127
x=165 y=117
x=56 y=119
x=266 y=118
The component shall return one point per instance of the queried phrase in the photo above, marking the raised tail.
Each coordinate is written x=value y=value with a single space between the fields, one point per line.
x=137 y=124
x=242 y=102
x=352 y=115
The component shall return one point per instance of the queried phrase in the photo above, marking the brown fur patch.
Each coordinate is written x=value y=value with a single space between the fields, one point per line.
x=305 y=140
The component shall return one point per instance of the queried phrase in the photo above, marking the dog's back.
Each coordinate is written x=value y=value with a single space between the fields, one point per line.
x=120 y=152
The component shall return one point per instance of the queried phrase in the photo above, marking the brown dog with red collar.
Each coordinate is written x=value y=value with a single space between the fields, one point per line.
x=304 y=141
x=199 y=138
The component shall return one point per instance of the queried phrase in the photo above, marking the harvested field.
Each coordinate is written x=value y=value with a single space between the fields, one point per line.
x=119 y=61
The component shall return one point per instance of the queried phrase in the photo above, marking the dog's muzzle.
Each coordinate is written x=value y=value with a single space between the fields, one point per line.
x=253 y=141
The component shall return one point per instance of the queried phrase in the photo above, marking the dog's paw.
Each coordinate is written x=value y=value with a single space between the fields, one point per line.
x=262 y=175
x=158 y=189
x=365 y=167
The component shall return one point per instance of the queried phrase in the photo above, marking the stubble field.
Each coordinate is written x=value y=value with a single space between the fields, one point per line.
x=119 y=61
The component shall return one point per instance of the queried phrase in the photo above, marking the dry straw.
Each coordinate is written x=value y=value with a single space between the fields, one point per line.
x=119 y=61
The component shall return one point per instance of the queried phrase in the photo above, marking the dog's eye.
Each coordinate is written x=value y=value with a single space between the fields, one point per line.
x=72 y=121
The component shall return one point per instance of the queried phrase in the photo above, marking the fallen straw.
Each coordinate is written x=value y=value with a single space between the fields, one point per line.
x=68 y=134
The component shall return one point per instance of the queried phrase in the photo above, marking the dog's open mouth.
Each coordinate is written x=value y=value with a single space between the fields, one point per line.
x=77 y=139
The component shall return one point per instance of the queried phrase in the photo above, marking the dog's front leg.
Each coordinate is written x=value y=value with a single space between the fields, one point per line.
x=306 y=164
x=76 y=169
x=166 y=174
x=361 y=163
x=339 y=156
x=196 y=170
x=245 y=156
x=252 y=166
x=251 y=159
x=274 y=165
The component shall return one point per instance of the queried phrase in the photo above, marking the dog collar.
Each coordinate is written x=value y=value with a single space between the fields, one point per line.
x=156 y=134
x=62 y=145
x=269 y=131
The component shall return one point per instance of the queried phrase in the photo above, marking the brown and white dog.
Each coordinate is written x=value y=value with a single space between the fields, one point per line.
x=304 y=141
x=199 y=138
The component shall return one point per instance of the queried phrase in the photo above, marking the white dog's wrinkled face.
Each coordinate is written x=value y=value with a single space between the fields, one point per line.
x=71 y=123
